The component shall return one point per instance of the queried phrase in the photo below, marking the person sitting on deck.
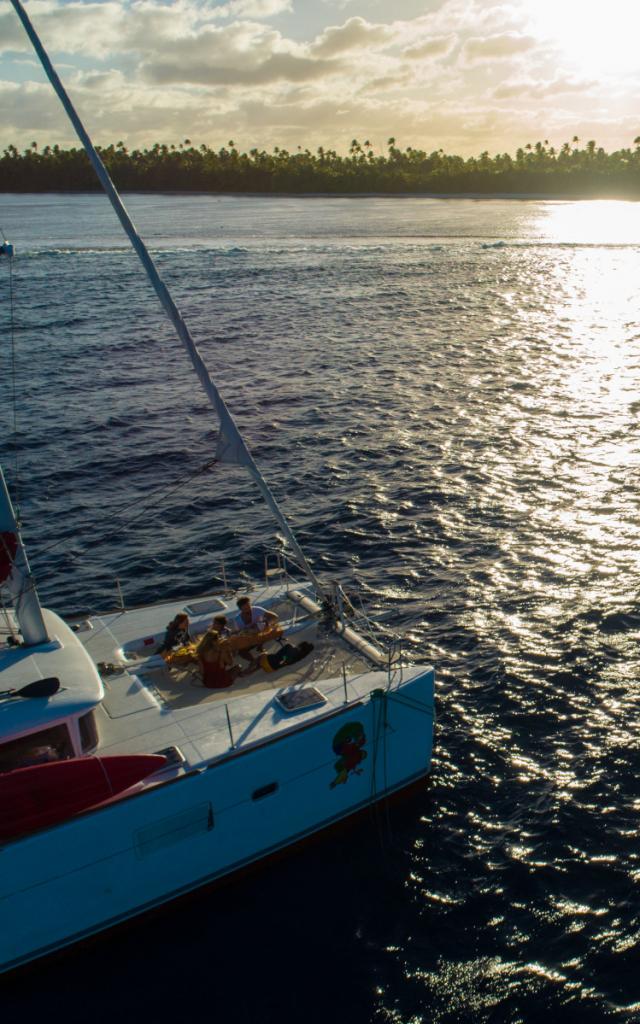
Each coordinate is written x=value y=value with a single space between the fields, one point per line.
x=221 y=626
x=252 y=619
x=216 y=662
x=288 y=654
x=177 y=634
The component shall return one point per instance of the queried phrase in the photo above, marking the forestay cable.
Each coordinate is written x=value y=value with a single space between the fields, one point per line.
x=231 y=445
x=6 y=249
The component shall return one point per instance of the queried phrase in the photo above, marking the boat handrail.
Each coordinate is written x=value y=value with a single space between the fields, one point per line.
x=266 y=741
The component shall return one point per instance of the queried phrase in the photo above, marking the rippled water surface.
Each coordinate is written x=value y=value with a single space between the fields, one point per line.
x=444 y=395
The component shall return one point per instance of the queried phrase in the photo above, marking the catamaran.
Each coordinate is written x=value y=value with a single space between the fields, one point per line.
x=125 y=782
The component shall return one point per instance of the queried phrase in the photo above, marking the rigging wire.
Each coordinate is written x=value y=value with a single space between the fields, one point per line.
x=159 y=492
x=31 y=584
x=7 y=249
x=105 y=536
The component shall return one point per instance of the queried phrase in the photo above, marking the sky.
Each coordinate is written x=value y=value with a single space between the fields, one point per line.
x=459 y=75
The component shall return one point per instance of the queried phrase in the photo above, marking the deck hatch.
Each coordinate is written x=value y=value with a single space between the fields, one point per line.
x=212 y=604
x=173 y=830
x=300 y=699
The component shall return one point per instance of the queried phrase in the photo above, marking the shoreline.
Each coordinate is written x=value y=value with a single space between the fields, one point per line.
x=475 y=196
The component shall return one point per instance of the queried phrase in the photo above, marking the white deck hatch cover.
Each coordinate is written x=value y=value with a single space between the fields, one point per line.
x=301 y=699
x=212 y=604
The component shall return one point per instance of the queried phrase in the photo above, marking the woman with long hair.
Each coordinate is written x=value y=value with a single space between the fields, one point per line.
x=177 y=634
x=216 y=662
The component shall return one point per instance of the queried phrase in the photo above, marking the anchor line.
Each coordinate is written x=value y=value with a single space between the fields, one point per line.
x=379 y=746
x=410 y=702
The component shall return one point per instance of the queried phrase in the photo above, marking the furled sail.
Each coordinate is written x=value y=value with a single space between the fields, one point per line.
x=231 y=446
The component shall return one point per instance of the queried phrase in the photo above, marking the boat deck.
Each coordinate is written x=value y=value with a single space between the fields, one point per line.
x=149 y=706
x=181 y=685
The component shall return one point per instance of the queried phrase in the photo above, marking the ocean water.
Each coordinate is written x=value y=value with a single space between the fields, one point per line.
x=444 y=396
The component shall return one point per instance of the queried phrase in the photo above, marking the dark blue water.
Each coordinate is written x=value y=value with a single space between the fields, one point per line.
x=444 y=396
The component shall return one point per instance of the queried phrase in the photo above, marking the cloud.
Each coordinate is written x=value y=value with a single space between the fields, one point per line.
x=276 y=68
x=527 y=88
x=496 y=47
x=356 y=33
x=310 y=114
x=340 y=4
x=257 y=9
x=103 y=81
x=385 y=83
x=104 y=29
x=91 y=28
x=239 y=54
x=503 y=17
x=471 y=17
x=438 y=46
x=240 y=41
x=160 y=70
x=30 y=111
x=12 y=34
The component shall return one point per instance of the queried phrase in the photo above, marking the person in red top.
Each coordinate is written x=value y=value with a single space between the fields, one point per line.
x=216 y=662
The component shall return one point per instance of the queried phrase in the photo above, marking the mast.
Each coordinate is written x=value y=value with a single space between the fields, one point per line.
x=15 y=573
x=231 y=447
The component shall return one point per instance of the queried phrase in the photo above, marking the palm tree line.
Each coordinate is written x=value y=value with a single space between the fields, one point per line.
x=538 y=168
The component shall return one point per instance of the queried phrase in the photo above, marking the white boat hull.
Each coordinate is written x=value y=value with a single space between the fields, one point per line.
x=62 y=884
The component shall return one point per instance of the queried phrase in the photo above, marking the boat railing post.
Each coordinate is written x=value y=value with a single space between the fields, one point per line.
x=120 y=594
x=233 y=746
x=284 y=562
x=224 y=577
x=344 y=680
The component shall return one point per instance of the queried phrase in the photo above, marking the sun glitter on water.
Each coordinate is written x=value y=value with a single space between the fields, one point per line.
x=589 y=222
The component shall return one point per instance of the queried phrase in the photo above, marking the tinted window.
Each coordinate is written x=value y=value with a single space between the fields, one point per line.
x=37 y=748
x=88 y=731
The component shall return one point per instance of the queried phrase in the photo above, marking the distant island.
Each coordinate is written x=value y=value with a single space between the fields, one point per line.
x=540 y=169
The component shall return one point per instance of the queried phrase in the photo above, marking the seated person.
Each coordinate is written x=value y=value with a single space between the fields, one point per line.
x=252 y=619
x=288 y=654
x=216 y=661
x=221 y=626
x=177 y=635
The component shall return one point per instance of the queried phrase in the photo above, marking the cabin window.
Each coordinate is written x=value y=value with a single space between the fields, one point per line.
x=37 y=748
x=88 y=732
